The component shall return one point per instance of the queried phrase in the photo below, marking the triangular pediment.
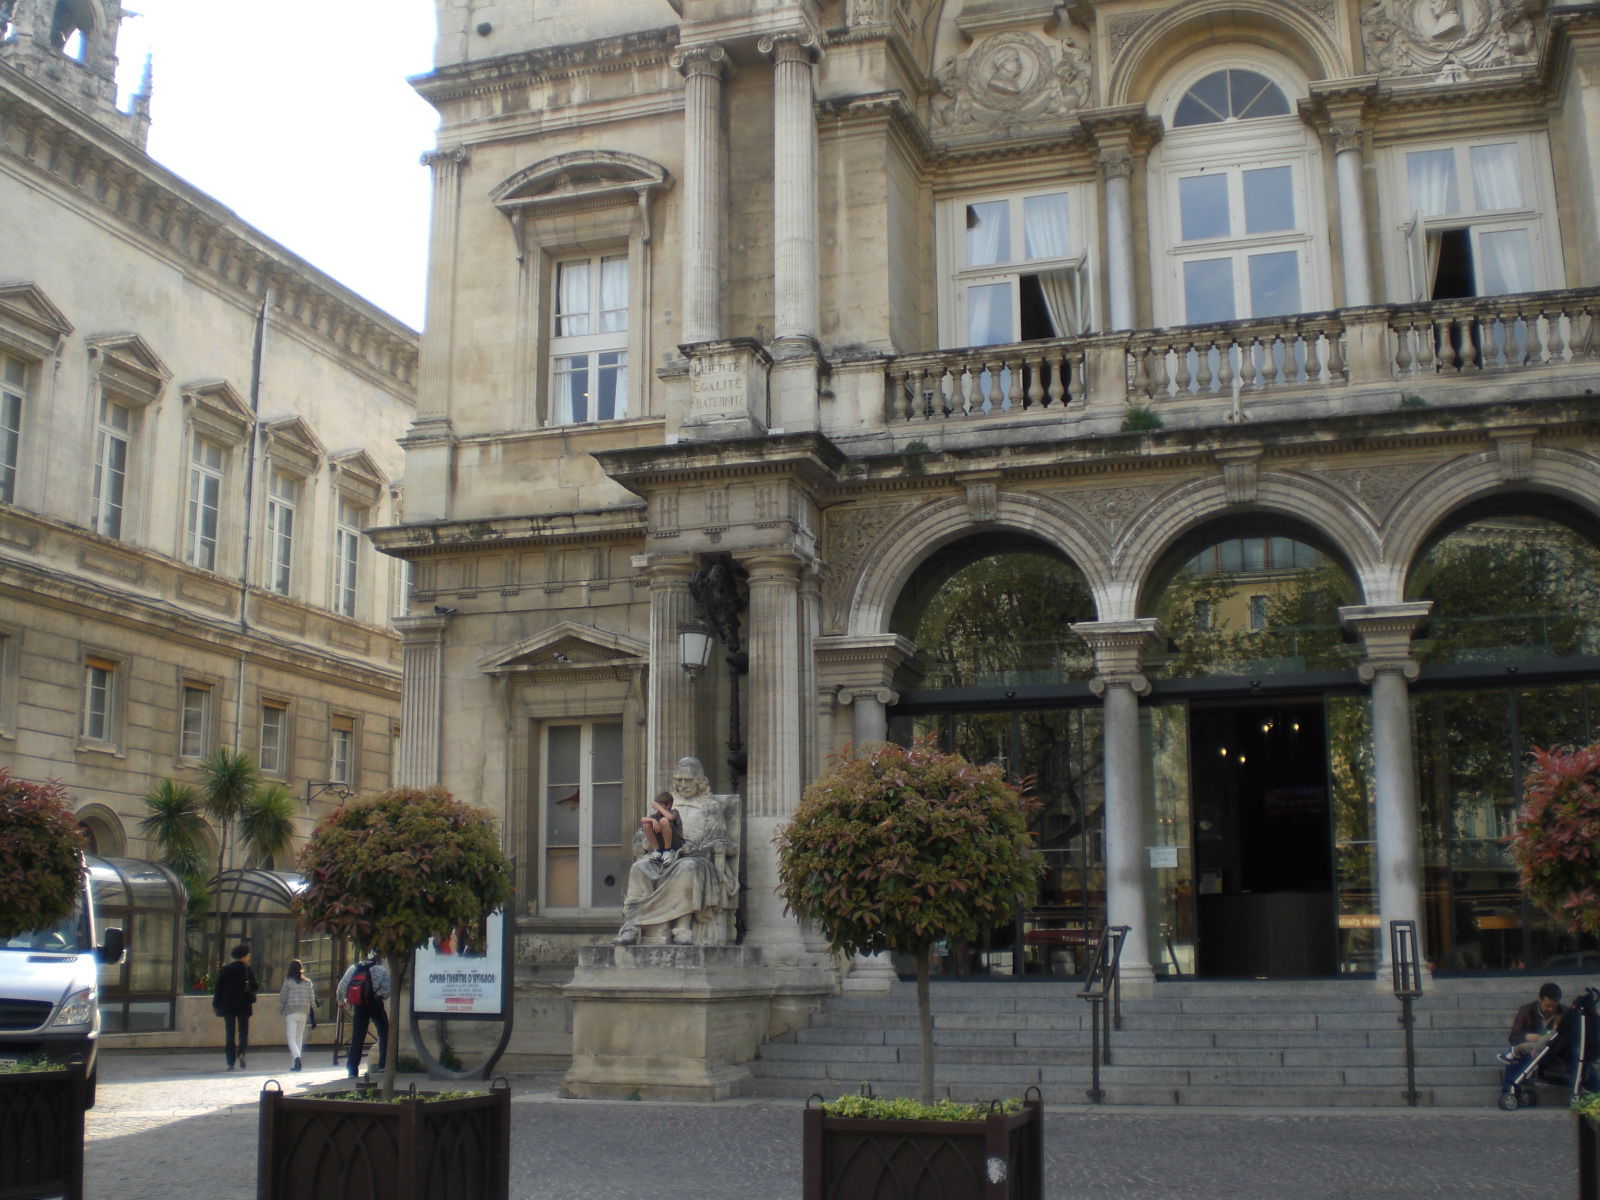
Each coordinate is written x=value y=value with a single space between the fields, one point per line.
x=568 y=645
x=129 y=368
x=291 y=442
x=218 y=407
x=28 y=318
x=355 y=474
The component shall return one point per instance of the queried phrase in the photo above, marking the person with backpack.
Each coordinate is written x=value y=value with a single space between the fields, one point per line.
x=362 y=990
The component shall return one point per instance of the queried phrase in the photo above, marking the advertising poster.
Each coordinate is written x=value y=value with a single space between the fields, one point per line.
x=450 y=983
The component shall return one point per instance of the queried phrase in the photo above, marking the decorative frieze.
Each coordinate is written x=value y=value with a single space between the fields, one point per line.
x=1009 y=80
x=1446 y=38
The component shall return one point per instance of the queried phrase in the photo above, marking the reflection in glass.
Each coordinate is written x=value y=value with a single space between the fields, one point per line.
x=1208 y=291
x=1274 y=283
x=988 y=233
x=1268 y=200
x=1203 y=207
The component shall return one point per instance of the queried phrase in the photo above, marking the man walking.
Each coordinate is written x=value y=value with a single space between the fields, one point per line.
x=363 y=989
x=234 y=999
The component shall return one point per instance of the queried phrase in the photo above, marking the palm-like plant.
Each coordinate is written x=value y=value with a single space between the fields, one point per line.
x=175 y=822
x=266 y=822
x=227 y=782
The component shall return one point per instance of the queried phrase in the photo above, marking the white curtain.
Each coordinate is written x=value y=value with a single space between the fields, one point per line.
x=1432 y=174
x=572 y=299
x=1044 y=220
x=1505 y=262
x=1496 y=178
x=1065 y=297
x=613 y=295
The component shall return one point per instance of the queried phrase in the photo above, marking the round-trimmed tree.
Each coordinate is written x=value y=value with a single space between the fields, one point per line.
x=901 y=847
x=1557 y=843
x=390 y=871
x=41 y=855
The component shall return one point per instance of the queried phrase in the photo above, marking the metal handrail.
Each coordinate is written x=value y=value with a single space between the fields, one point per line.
x=1102 y=982
x=1407 y=968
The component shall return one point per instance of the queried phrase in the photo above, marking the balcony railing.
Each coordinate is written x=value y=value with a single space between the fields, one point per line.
x=1240 y=361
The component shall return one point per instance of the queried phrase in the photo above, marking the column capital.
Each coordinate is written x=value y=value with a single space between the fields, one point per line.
x=1122 y=132
x=774 y=563
x=423 y=628
x=1119 y=648
x=453 y=156
x=792 y=45
x=883 y=695
x=709 y=59
x=1385 y=631
x=666 y=569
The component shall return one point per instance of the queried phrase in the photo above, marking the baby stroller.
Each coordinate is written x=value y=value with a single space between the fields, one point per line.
x=1567 y=1060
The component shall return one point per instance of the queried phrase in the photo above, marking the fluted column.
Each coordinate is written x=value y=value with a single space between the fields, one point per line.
x=794 y=186
x=1385 y=631
x=438 y=334
x=1117 y=167
x=1352 y=216
x=1119 y=681
x=773 y=784
x=704 y=185
x=674 y=697
x=418 y=760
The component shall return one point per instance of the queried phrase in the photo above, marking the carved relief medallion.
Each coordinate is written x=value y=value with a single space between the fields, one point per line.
x=1445 y=37
x=1009 y=79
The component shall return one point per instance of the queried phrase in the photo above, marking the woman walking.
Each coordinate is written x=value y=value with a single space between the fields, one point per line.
x=296 y=1002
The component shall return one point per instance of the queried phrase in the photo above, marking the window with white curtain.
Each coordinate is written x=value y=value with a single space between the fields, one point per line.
x=13 y=391
x=1017 y=268
x=347 y=529
x=589 y=341
x=283 y=499
x=1474 y=219
x=113 y=434
x=204 y=511
x=1236 y=187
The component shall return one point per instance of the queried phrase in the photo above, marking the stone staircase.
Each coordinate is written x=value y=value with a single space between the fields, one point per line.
x=1256 y=1044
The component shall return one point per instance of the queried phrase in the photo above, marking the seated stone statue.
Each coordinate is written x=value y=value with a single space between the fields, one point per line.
x=688 y=896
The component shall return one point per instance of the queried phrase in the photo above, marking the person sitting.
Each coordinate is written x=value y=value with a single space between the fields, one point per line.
x=661 y=827
x=1532 y=1028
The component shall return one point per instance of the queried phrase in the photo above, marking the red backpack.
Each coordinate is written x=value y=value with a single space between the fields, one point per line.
x=359 y=990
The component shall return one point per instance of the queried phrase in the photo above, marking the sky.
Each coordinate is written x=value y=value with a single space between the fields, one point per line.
x=297 y=115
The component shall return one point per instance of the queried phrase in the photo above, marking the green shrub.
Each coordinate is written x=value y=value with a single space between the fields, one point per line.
x=875 y=1108
x=1557 y=843
x=1140 y=418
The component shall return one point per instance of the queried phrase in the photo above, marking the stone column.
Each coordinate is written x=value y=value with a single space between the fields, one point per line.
x=1117 y=167
x=704 y=185
x=869 y=712
x=1119 y=681
x=794 y=187
x=774 y=781
x=433 y=367
x=1385 y=631
x=674 y=697
x=1352 y=216
x=418 y=758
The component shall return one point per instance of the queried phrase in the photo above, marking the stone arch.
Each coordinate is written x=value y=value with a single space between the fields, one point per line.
x=1347 y=532
x=1428 y=504
x=108 y=838
x=896 y=555
x=1158 y=46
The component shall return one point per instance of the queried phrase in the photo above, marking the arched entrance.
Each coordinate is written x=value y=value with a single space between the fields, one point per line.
x=1510 y=659
x=1001 y=677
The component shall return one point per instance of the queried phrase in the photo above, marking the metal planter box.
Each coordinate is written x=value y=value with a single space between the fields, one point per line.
x=415 y=1149
x=1588 y=1157
x=998 y=1158
x=41 y=1129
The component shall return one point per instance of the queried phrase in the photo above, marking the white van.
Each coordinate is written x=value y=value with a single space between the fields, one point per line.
x=50 y=989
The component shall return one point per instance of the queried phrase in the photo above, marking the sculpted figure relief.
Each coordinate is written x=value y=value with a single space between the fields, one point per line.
x=1009 y=80
x=689 y=894
x=1448 y=38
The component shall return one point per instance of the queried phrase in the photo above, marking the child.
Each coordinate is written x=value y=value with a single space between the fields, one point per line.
x=662 y=828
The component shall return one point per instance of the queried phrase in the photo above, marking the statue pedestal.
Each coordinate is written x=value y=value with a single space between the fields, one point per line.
x=655 y=1022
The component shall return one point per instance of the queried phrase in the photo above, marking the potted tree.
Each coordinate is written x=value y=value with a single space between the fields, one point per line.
x=896 y=849
x=388 y=872
x=41 y=882
x=1557 y=848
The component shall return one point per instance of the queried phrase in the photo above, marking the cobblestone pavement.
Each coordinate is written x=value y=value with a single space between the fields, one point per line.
x=176 y=1124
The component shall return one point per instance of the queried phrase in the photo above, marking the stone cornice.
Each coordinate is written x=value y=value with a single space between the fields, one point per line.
x=808 y=457
x=460 y=81
x=453 y=536
x=118 y=183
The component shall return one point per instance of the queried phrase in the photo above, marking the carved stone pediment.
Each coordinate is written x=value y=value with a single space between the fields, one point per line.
x=1446 y=38
x=1006 y=81
x=570 y=648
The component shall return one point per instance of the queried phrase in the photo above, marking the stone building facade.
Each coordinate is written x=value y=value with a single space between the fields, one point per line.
x=196 y=426
x=1200 y=316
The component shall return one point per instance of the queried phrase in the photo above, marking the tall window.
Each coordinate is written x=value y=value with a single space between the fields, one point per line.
x=582 y=791
x=112 y=435
x=342 y=749
x=347 y=556
x=205 y=504
x=1239 y=200
x=1020 y=269
x=194 y=734
x=13 y=378
x=589 y=344
x=283 y=496
x=99 y=698
x=1473 y=229
x=274 y=756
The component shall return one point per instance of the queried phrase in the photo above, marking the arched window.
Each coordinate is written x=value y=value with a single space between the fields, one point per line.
x=1234 y=94
x=1236 y=199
